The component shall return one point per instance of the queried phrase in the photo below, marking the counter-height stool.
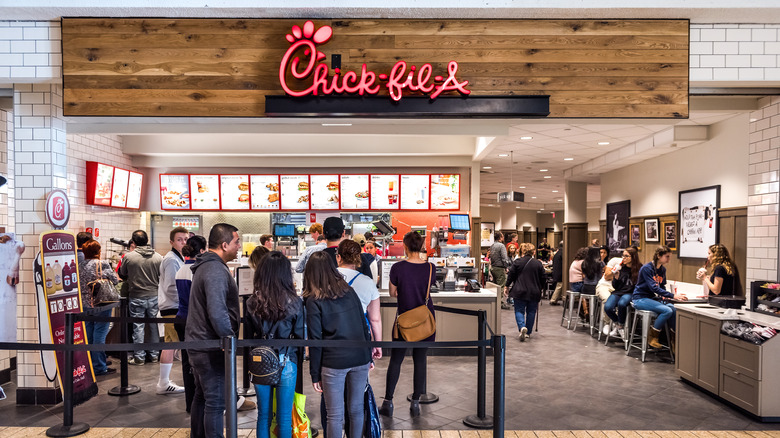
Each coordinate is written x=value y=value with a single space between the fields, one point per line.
x=593 y=311
x=647 y=317
x=570 y=298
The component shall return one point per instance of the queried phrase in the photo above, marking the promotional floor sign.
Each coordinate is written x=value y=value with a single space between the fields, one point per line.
x=59 y=272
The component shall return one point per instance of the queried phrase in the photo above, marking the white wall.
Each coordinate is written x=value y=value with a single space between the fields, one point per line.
x=653 y=185
x=593 y=219
x=525 y=218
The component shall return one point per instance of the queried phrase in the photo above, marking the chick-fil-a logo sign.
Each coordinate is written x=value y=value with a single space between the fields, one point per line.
x=366 y=82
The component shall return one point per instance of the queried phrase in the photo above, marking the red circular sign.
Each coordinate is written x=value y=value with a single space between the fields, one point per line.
x=57 y=209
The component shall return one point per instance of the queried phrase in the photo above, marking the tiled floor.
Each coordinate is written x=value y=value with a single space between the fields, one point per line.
x=557 y=380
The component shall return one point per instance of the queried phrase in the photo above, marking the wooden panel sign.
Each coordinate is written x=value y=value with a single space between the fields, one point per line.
x=226 y=67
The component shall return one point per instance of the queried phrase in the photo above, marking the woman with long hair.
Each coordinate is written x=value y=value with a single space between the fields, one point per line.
x=274 y=311
x=623 y=277
x=91 y=269
x=651 y=283
x=410 y=281
x=334 y=312
x=524 y=283
x=722 y=277
x=575 y=270
x=592 y=270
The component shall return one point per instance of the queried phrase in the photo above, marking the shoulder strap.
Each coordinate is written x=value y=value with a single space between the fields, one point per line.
x=428 y=279
x=353 y=278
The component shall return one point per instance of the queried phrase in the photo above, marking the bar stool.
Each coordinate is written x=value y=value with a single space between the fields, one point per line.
x=568 y=307
x=647 y=317
x=629 y=312
x=593 y=306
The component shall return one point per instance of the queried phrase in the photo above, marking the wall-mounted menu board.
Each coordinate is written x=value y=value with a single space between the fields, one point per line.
x=234 y=192
x=380 y=192
x=204 y=192
x=445 y=192
x=324 y=192
x=265 y=192
x=354 y=192
x=110 y=186
x=414 y=192
x=385 y=192
x=295 y=192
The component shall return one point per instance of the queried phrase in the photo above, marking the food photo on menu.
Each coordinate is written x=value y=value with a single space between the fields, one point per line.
x=119 y=187
x=384 y=192
x=414 y=192
x=205 y=190
x=324 y=192
x=105 y=177
x=445 y=192
x=174 y=190
x=354 y=192
x=234 y=192
x=134 y=186
x=295 y=192
x=265 y=192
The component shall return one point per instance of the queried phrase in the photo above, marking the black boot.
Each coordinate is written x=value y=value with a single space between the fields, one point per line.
x=387 y=408
x=414 y=408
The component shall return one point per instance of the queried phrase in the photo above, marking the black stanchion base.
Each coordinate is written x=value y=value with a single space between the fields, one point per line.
x=315 y=432
x=479 y=423
x=72 y=430
x=126 y=390
x=426 y=398
x=246 y=392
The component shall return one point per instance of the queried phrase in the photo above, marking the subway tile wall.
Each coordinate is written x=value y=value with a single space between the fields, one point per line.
x=735 y=52
x=30 y=51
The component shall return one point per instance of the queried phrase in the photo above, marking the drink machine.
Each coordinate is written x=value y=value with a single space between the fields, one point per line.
x=286 y=239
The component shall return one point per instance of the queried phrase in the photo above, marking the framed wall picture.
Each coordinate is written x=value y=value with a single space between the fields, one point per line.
x=617 y=225
x=698 y=219
x=635 y=235
x=669 y=230
x=652 y=231
x=486 y=233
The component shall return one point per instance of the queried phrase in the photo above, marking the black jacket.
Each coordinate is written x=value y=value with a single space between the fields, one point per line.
x=214 y=311
x=525 y=279
x=290 y=327
x=341 y=318
x=557 y=272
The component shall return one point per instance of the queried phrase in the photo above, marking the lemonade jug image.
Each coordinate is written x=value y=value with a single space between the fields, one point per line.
x=49 y=273
x=57 y=270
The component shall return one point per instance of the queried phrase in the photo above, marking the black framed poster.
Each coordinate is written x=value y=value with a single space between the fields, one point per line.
x=617 y=225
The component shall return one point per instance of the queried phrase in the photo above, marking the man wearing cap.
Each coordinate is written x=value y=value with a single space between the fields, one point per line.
x=315 y=230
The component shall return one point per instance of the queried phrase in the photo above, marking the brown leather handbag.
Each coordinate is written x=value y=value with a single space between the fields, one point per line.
x=418 y=323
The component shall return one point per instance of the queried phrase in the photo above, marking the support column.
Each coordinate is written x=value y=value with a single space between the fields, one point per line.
x=508 y=216
x=575 y=223
x=40 y=166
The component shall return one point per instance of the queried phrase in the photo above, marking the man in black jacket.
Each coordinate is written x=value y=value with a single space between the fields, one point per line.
x=213 y=314
x=557 y=275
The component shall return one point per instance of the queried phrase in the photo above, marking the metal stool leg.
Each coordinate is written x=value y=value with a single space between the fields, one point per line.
x=564 y=305
x=645 y=330
x=630 y=312
x=576 y=315
x=631 y=336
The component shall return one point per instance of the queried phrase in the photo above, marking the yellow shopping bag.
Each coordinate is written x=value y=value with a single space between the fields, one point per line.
x=300 y=422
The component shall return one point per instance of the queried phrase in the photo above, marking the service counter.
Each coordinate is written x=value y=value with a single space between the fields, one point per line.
x=739 y=372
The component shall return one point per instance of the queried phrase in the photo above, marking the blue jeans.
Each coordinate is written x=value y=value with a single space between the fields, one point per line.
x=333 y=382
x=96 y=334
x=575 y=287
x=525 y=313
x=665 y=312
x=619 y=301
x=208 y=405
x=285 y=391
x=144 y=308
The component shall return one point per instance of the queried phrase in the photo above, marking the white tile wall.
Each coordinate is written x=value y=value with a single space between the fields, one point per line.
x=30 y=51
x=729 y=52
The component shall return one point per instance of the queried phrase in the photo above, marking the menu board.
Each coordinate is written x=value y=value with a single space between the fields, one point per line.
x=295 y=192
x=445 y=192
x=234 y=192
x=134 y=186
x=205 y=192
x=414 y=192
x=354 y=192
x=265 y=192
x=175 y=192
x=119 y=188
x=105 y=177
x=324 y=192
x=384 y=192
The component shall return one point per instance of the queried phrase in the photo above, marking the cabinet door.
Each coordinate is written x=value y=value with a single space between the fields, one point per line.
x=739 y=389
x=708 y=361
x=685 y=359
x=741 y=356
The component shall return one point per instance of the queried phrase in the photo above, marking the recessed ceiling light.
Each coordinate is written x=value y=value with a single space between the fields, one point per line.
x=541 y=209
x=542 y=170
x=547 y=177
x=603 y=143
x=555 y=191
x=753 y=120
x=337 y=124
x=521 y=187
x=526 y=138
x=503 y=155
x=568 y=159
x=560 y=200
x=487 y=167
x=533 y=197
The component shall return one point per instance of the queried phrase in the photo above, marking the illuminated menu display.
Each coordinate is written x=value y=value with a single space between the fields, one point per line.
x=324 y=192
x=445 y=192
x=134 y=185
x=103 y=181
x=175 y=192
x=108 y=186
x=295 y=192
x=205 y=192
x=265 y=192
x=414 y=192
x=384 y=192
x=119 y=188
x=234 y=192
x=354 y=192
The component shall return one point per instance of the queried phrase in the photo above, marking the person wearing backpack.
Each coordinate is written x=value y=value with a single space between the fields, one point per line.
x=275 y=311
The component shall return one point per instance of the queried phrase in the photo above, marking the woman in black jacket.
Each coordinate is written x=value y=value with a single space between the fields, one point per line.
x=275 y=311
x=334 y=312
x=525 y=281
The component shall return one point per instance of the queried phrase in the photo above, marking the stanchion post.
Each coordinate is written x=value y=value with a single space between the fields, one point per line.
x=68 y=429
x=124 y=388
x=499 y=397
x=231 y=419
x=481 y=420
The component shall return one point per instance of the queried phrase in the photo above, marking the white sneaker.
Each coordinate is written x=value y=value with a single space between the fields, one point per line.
x=605 y=330
x=523 y=334
x=171 y=388
x=622 y=333
x=614 y=333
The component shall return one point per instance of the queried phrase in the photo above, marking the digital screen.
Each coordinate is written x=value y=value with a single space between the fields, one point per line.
x=284 y=230
x=460 y=222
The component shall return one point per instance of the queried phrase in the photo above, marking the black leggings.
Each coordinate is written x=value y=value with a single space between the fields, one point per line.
x=420 y=357
x=186 y=370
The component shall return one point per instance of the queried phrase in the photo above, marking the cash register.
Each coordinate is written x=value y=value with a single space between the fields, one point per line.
x=455 y=273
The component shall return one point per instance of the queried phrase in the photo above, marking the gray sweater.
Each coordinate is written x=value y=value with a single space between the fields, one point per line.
x=141 y=270
x=213 y=309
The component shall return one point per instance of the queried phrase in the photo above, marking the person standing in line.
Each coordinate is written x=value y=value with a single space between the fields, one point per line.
x=334 y=312
x=91 y=269
x=524 y=284
x=168 y=299
x=274 y=311
x=214 y=313
x=557 y=275
x=410 y=282
x=349 y=259
x=141 y=271
x=499 y=262
x=82 y=238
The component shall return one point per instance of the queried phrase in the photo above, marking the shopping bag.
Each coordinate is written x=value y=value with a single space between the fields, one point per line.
x=300 y=422
x=373 y=427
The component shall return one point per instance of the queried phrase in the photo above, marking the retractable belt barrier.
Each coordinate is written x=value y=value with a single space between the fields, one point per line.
x=230 y=344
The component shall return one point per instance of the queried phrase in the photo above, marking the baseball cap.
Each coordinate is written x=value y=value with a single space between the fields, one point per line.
x=333 y=225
